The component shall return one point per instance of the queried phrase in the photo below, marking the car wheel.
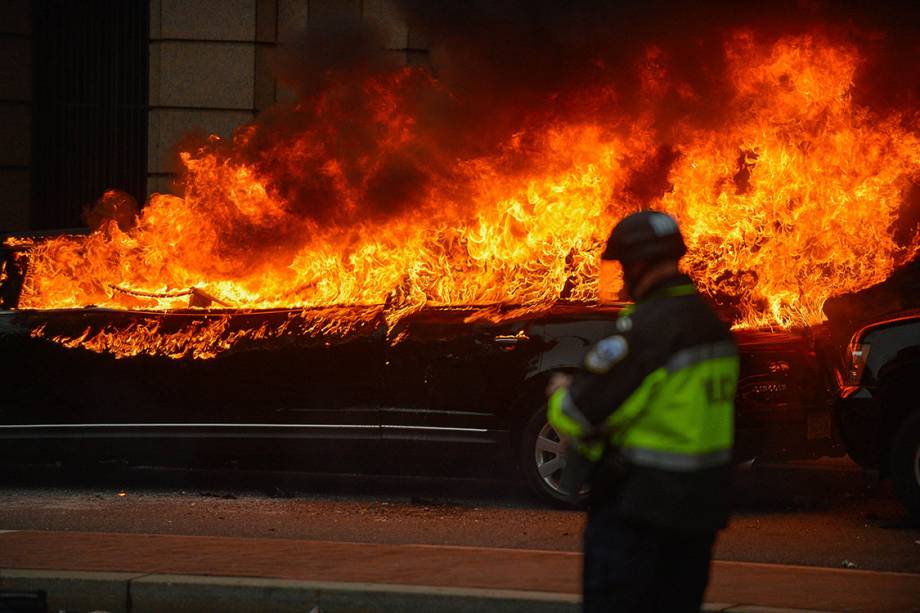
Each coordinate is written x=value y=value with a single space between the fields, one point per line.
x=858 y=431
x=905 y=464
x=542 y=458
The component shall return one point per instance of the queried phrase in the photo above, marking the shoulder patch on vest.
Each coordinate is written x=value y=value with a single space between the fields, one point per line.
x=605 y=354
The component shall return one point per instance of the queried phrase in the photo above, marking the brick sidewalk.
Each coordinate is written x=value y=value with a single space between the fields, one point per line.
x=428 y=565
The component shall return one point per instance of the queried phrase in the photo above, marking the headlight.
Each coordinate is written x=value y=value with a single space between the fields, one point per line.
x=852 y=374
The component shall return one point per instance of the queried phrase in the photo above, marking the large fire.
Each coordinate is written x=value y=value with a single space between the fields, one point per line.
x=791 y=199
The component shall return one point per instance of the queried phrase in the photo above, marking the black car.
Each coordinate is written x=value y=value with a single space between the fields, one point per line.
x=459 y=383
x=877 y=411
x=875 y=354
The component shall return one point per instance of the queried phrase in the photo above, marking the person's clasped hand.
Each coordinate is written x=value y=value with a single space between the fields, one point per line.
x=558 y=380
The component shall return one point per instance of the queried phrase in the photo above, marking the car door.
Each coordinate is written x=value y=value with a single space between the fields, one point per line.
x=323 y=386
x=293 y=386
x=448 y=378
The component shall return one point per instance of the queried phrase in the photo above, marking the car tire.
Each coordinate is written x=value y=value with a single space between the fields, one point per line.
x=905 y=464
x=858 y=431
x=541 y=458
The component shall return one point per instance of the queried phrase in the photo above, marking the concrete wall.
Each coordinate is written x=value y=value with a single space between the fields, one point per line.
x=209 y=64
x=15 y=113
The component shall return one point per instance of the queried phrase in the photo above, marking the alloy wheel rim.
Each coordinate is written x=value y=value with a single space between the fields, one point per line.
x=549 y=456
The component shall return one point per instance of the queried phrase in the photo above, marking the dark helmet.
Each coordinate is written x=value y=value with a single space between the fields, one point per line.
x=646 y=235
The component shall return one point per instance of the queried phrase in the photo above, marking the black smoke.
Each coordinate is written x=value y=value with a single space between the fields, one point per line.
x=500 y=66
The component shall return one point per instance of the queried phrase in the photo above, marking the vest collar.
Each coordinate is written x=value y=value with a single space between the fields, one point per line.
x=676 y=285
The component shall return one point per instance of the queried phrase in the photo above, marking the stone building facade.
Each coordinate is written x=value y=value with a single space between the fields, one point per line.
x=207 y=70
x=15 y=114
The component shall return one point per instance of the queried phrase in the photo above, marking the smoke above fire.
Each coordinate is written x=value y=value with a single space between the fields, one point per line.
x=784 y=137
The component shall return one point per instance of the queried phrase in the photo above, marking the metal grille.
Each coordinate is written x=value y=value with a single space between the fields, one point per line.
x=90 y=105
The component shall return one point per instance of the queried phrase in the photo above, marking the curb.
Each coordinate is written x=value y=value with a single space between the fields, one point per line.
x=74 y=590
x=148 y=593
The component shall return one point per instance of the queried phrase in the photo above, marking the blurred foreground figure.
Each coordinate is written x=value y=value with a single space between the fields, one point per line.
x=649 y=425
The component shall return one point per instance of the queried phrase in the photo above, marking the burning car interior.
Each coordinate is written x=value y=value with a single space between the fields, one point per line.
x=404 y=253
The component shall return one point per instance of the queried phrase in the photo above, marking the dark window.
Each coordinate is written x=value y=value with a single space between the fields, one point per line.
x=90 y=105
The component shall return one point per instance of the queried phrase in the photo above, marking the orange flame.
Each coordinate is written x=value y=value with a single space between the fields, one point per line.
x=791 y=200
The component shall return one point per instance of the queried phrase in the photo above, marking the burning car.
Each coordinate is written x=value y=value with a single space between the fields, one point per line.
x=469 y=378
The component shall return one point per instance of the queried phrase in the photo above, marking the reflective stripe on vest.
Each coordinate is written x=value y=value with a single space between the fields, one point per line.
x=677 y=461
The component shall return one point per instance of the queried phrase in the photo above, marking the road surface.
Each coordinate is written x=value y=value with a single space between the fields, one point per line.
x=819 y=514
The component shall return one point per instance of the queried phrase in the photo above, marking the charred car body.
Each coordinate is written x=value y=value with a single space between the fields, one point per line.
x=465 y=379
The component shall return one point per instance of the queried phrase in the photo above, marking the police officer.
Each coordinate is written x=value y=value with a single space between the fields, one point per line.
x=652 y=414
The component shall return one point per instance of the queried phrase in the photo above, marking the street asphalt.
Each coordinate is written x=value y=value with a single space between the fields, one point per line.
x=825 y=514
